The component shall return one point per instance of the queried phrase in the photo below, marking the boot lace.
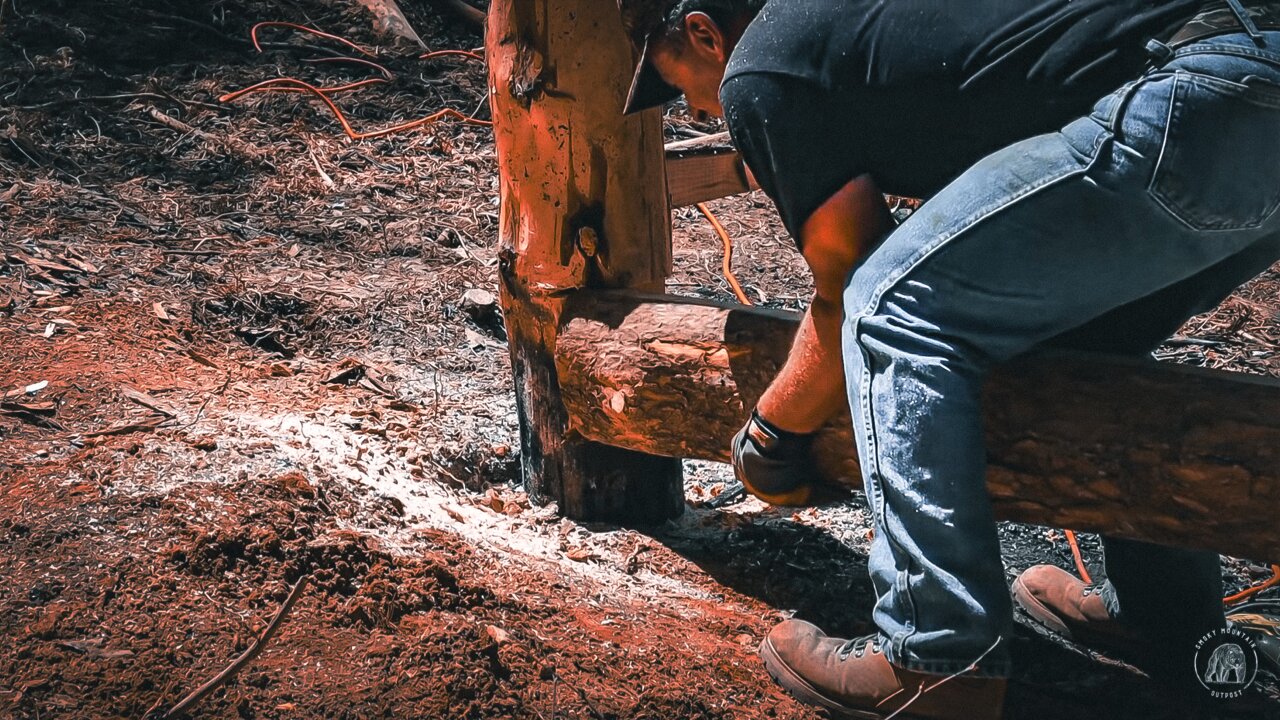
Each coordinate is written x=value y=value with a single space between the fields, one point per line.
x=858 y=646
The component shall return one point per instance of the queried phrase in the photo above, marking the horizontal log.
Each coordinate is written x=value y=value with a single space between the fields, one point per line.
x=1151 y=451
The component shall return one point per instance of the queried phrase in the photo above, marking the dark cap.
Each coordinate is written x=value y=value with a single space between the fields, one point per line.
x=643 y=19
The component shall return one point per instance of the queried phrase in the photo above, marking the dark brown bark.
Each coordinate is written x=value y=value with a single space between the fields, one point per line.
x=582 y=205
x=1151 y=451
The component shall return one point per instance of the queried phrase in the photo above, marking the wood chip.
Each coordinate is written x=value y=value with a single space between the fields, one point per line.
x=580 y=555
x=160 y=312
x=618 y=402
x=497 y=634
x=147 y=401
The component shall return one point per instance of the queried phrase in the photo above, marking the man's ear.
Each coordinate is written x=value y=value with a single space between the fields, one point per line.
x=705 y=37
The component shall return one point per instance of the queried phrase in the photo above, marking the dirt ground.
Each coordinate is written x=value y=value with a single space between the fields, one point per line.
x=234 y=354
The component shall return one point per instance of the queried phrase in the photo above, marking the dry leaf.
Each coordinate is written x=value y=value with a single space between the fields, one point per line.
x=160 y=312
x=50 y=329
x=493 y=501
x=618 y=402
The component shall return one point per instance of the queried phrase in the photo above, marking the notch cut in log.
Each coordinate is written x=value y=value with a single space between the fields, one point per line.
x=1151 y=451
x=582 y=204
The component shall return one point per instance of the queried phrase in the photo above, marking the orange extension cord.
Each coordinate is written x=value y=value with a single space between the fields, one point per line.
x=1075 y=554
x=1247 y=593
x=726 y=265
x=1241 y=596
x=323 y=93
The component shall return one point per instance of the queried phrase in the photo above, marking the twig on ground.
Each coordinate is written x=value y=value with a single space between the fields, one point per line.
x=245 y=658
x=200 y=413
x=225 y=143
x=119 y=96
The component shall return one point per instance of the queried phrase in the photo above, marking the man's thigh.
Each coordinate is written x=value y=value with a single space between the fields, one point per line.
x=1140 y=326
x=1052 y=232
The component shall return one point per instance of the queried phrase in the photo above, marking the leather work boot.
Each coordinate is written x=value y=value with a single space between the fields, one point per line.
x=853 y=679
x=1063 y=603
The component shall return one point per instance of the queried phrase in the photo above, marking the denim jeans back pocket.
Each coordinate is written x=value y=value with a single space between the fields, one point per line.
x=1219 y=167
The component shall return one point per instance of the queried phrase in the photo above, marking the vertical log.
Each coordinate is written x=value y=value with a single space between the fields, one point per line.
x=583 y=204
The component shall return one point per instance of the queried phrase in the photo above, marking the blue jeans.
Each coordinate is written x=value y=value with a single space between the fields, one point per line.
x=1107 y=234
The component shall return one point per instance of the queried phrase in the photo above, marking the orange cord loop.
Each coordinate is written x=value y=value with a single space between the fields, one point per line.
x=726 y=264
x=355 y=61
x=299 y=86
x=1247 y=593
x=1079 y=558
x=253 y=35
x=1233 y=599
x=447 y=53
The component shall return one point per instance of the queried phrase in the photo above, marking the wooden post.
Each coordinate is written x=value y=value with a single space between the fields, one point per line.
x=583 y=204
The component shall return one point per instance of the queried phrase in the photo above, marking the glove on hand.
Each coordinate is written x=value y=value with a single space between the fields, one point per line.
x=773 y=464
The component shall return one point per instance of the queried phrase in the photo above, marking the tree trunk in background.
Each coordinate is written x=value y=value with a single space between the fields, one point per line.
x=583 y=204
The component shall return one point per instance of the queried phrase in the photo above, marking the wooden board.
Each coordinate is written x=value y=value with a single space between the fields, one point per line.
x=705 y=168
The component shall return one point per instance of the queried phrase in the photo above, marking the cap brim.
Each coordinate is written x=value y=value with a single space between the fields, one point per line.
x=648 y=89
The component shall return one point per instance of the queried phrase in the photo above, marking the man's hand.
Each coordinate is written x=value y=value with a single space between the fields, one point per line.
x=773 y=464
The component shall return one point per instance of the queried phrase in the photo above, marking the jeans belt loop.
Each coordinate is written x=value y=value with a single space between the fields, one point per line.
x=1160 y=53
x=1246 y=22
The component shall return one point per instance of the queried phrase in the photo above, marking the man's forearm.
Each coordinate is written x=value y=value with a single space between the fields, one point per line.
x=810 y=387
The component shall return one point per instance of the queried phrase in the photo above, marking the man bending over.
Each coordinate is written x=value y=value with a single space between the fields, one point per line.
x=1096 y=171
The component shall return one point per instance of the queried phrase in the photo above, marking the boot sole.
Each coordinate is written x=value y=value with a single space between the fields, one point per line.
x=801 y=690
x=1044 y=617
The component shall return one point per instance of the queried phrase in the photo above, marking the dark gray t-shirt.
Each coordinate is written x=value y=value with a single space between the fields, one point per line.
x=912 y=92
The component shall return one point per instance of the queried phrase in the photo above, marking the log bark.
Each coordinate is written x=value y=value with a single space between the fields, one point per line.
x=1150 y=451
x=583 y=204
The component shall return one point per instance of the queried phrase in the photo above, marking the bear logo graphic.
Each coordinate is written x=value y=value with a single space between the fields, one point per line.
x=1226 y=666
x=1226 y=662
